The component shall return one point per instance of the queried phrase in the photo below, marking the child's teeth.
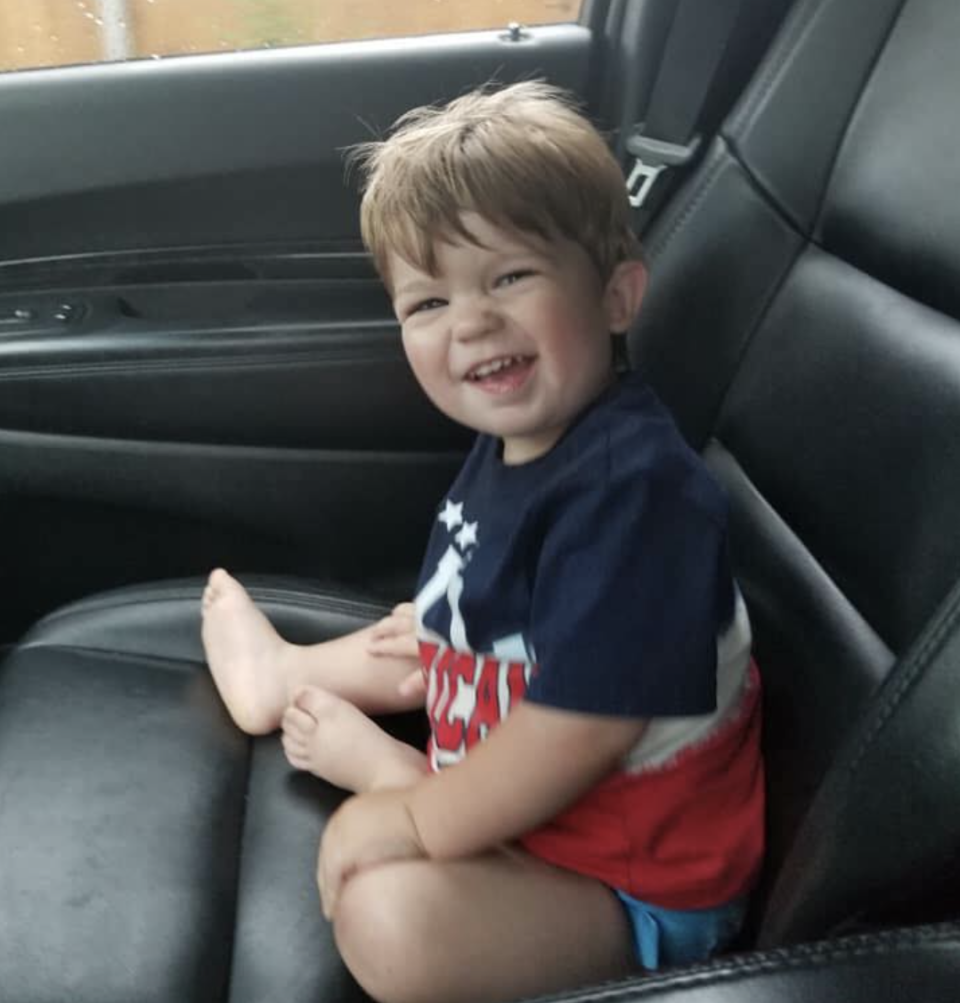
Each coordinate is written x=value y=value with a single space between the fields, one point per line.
x=489 y=368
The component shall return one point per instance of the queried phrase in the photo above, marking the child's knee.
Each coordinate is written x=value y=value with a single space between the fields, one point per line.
x=381 y=930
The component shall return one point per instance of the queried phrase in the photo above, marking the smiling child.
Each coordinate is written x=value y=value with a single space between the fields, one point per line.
x=591 y=799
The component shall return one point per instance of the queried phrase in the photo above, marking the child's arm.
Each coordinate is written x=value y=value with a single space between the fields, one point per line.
x=537 y=763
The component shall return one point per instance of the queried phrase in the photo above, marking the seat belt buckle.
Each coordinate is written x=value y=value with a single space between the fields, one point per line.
x=651 y=158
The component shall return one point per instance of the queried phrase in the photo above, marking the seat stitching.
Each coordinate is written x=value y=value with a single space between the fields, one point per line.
x=804 y=956
x=660 y=243
x=797 y=541
x=750 y=336
x=780 y=61
x=306 y=599
x=817 y=217
x=913 y=669
x=118 y=653
x=307 y=602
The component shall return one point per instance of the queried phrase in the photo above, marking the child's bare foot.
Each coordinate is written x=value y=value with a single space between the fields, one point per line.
x=245 y=655
x=329 y=737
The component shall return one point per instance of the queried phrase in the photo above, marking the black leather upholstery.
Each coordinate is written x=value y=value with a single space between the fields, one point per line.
x=817 y=360
x=802 y=322
x=915 y=964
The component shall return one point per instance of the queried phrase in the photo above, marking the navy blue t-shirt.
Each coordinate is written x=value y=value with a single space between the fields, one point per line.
x=602 y=564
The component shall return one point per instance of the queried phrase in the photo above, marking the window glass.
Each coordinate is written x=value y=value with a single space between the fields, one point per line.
x=36 y=33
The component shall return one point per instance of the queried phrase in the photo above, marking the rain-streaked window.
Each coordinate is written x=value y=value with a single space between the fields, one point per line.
x=66 y=32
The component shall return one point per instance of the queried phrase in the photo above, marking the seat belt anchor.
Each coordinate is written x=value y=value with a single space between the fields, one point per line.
x=651 y=158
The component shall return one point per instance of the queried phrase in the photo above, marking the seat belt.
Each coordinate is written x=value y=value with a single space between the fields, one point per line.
x=668 y=137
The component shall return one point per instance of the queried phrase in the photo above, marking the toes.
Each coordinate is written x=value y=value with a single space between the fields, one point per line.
x=291 y=742
x=220 y=585
x=315 y=702
x=219 y=581
x=297 y=730
x=295 y=755
x=298 y=723
x=214 y=587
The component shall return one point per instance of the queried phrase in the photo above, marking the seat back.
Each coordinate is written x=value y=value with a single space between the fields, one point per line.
x=802 y=323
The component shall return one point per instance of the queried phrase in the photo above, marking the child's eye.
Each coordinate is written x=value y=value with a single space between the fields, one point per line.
x=431 y=303
x=510 y=278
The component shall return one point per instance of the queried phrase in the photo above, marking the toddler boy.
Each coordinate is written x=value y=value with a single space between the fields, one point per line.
x=592 y=793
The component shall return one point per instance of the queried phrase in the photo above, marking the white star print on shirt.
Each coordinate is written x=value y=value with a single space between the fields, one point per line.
x=467 y=537
x=452 y=515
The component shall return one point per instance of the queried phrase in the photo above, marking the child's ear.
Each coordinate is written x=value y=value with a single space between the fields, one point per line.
x=623 y=295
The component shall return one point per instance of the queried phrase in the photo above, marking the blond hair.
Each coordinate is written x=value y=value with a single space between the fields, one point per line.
x=522 y=158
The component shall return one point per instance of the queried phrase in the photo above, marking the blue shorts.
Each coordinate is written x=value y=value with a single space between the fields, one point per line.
x=677 y=937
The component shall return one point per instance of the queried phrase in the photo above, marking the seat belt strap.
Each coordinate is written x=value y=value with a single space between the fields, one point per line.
x=696 y=44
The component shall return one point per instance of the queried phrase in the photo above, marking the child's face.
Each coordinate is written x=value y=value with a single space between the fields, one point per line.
x=512 y=338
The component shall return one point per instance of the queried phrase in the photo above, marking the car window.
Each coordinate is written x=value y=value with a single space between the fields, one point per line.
x=67 y=32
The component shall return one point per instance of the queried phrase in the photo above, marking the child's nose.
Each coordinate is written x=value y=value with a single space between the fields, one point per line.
x=474 y=318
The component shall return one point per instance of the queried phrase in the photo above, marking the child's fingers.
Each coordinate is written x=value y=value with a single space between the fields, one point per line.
x=400 y=646
x=414 y=685
x=389 y=626
x=395 y=634
x=395 y=623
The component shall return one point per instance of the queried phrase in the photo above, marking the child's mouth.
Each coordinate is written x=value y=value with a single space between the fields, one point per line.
x=499 y=376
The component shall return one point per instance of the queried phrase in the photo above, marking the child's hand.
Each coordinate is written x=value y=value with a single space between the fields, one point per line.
x=366 y=830
x=396 y=634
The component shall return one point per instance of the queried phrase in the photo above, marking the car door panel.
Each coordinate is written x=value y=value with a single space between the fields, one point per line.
x=264 y=361
x=228 y=385
x=166 y=426
x=229 y=148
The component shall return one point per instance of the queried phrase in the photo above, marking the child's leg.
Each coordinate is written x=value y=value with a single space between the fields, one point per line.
x=330 y=738
x=257 y=672
x=497 y=927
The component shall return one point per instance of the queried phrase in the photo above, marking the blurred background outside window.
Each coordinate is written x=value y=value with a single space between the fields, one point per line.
x=40 y=33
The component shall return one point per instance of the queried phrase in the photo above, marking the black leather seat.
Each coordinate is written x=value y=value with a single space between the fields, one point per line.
x=816 y=359
x=802 y=322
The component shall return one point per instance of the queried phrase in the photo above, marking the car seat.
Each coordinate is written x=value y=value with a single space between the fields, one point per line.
x=802 y=323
